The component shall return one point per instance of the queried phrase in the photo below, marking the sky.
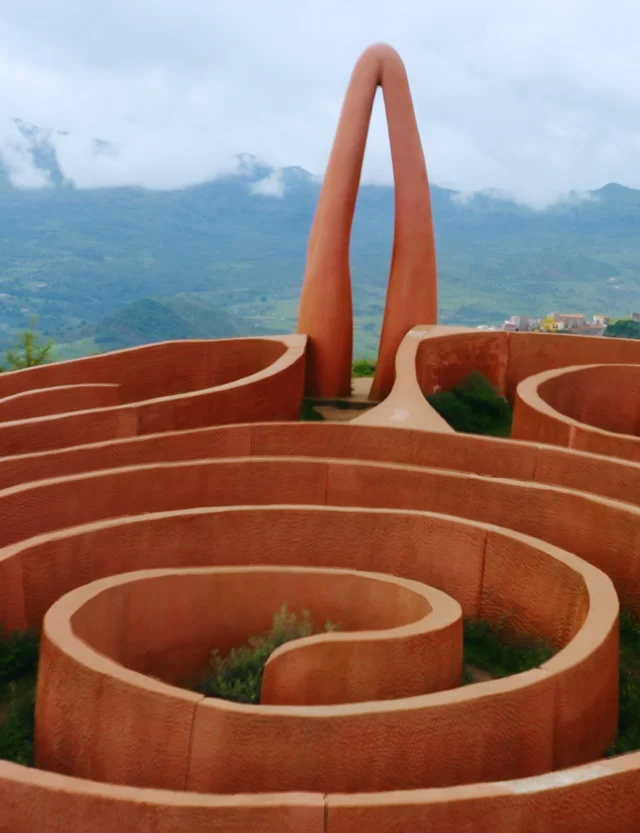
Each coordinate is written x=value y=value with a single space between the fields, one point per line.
x=533 y=99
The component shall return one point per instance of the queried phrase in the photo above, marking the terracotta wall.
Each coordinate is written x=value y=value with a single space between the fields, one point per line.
x=154 y=370
x=38 y=403
x=603 y=396
x=531 y=353
x=500 y=482
x=515 y=804
x=170 y=387
x=531 y=508
x=250 y=749
x=616 y=479
x=447 y=354
x=593 y=408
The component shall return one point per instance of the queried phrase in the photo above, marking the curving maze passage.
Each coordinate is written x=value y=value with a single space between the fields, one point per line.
x=136 y=554
x=591 y=407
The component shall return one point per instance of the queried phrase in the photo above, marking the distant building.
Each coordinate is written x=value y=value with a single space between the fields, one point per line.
x=635 y=316
x=569 y=320
x=601 y=320
x=521 y=323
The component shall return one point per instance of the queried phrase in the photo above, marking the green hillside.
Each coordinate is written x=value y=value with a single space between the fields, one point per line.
x=72 y=257
x=152 y=319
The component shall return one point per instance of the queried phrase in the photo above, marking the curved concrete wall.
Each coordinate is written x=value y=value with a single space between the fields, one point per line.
x=75 y=703
x=43 y=507
x=38 y=508
x=432 y=358
x=502 y=527
x=593 y=408
x=80 y=688
x=66 y=398
x=161 y=387
x=445 y=355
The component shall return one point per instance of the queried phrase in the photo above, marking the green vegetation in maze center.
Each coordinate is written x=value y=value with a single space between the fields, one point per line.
x=474 y=406
x=17 y=720
x=19 y=653
x=490 y=649
x=497 y=650
x=628 y=739
x=238 y=676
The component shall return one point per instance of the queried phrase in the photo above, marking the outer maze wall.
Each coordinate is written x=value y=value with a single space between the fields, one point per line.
x=138 y=531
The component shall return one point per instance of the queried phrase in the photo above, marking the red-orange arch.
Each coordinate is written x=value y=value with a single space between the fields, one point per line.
x=326 y=313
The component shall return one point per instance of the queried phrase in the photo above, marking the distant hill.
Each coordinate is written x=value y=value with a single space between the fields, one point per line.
x=71 y=256
x=152 y=319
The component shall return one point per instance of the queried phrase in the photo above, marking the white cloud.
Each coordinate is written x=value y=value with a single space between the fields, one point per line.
x=269 y=186
x=17 y=159
x=534 y=102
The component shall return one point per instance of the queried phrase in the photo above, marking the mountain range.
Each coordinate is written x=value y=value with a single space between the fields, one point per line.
x=107 y=267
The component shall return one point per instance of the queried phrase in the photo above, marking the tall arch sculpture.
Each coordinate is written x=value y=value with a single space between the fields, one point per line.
x=326 y=313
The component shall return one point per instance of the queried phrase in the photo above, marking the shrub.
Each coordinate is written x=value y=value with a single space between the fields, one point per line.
x=363 y=367
x=629 y=718
x=18 y=665
x=499 y=651
x=17 y=721
x=18 y=655
x=238 y=676
x=625 y=328
x=474 y=406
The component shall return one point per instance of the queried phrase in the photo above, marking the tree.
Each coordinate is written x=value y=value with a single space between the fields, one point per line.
x=549 y=324
x=625 y=328
x=28 y=352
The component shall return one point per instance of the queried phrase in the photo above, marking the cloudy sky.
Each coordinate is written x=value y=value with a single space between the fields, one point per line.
x=535 y=99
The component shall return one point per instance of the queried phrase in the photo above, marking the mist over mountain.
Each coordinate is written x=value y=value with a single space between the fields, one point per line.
x=72 y=256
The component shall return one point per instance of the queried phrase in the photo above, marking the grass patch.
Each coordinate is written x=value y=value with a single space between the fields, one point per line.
x=363 y=367
x=19 y=652
x=238 y=676
x=474 y=406
x=628 y=739
x=17 y=720
x=18 y=667
x=498 y=651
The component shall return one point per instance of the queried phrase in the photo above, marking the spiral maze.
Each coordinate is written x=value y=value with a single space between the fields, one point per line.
x=136 y=554
x=160 y=501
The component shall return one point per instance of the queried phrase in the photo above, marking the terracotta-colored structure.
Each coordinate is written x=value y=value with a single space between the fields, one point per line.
x=593 y=408
x=160 y=501
x=325 y=303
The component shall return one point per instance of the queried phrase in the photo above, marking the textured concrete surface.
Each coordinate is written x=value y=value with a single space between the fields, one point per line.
x=326 y=314
x=46 y=554
x=159 y=387
x=593 y=408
